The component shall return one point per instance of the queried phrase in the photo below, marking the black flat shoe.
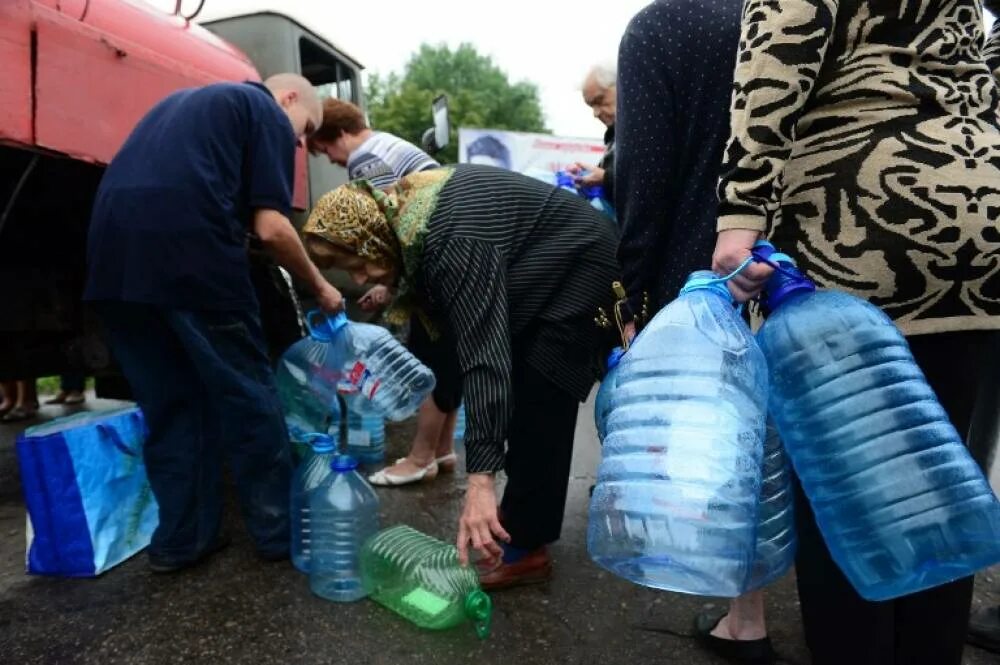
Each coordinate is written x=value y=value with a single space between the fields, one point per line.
x=161 y=566
x=744 y=652
x=984 y=629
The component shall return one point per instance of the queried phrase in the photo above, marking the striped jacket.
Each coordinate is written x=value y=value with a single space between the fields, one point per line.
x=515 y=269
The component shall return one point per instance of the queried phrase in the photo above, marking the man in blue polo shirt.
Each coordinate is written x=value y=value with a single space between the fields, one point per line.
x=168 y=272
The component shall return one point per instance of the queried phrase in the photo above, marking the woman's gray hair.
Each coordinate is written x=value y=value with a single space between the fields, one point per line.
x=604 y=73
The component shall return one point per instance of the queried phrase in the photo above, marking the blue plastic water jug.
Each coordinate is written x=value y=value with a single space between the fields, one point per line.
x=606 y=391
x=309 y=475
x=363 y=362
x=307 y=378
x=459 y=435
x=366 y=434
x=675 y=506
x=343 y=514
x=900 y=502
x=776 y=539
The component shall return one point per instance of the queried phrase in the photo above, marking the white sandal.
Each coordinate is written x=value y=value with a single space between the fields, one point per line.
x=445 y=463
x=383 y=479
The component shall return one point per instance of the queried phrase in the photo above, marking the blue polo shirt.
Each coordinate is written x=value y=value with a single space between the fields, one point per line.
x=171 y=215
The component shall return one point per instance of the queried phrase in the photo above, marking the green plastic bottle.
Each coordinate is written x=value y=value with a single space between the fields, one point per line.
x=420 y=578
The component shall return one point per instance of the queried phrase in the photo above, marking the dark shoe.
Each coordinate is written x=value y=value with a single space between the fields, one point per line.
x=984 y=629
x=745 y=652
x=158 y=565
x=19 y=413
x=532 y=568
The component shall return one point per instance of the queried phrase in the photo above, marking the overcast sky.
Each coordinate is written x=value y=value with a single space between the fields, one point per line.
x=548 y=42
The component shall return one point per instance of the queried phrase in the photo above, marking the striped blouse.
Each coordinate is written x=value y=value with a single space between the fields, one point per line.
x=514 y=266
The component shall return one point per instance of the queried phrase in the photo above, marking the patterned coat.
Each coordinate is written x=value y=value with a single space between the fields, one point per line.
x=865 y=142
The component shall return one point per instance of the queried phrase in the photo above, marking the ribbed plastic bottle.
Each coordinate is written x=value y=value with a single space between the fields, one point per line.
x=309 y=475
x=776 y=538
x=900 y=502
x=675 y=506
x=419 y=577
x=606 y=391
x=366 y=434
x=383 y=372
x=343 y=515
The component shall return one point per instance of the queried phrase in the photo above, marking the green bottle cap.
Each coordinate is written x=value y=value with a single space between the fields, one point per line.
x=479 y=608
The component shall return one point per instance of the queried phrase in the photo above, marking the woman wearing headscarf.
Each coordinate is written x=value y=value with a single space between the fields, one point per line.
x=512 y=271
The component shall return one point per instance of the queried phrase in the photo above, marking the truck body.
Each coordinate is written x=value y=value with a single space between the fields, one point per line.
x=75 y=78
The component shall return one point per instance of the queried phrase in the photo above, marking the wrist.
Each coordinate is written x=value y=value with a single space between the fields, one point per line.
x=481 y=480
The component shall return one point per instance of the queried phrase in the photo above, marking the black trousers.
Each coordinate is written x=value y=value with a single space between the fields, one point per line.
x=440 y=356
x=926 y=628
x=539 y=452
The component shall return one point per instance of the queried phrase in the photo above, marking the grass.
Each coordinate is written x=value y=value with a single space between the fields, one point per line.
x=49 y=385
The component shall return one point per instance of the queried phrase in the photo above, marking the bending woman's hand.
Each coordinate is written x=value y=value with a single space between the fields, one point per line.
x=479 y=523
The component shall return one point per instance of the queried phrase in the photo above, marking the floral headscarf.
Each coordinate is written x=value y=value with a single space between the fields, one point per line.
x=387 y=229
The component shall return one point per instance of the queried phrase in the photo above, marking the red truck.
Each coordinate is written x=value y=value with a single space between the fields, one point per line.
x=75 y=77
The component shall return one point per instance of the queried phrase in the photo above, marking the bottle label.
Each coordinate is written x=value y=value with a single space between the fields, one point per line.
x=359 y=437
x=361 y=380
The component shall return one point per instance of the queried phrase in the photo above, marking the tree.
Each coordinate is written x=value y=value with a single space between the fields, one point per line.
x=479 y=95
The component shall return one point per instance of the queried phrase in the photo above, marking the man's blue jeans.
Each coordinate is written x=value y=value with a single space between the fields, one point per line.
x=205 y=386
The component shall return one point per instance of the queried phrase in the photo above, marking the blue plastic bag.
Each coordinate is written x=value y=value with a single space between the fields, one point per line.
x=89 y=503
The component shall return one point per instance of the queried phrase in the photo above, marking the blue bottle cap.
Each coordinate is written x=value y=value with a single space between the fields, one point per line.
x=343 y=463
x=787 y=279
x=321 y=443
x=323 y=328
x=565 y=180
x=594 y=192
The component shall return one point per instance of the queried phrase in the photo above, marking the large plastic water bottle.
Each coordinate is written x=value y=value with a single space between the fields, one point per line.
x=307 y=378
x=309 y=475
x=419 y=577
x=603 y=401
x=900 y=502
x=383 y=372
x=675 y=506
x=776 y=539
x=343 y=514
x=366 y=434
x=363 y=362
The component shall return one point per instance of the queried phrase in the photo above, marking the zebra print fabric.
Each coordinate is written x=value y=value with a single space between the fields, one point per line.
x=865 y=142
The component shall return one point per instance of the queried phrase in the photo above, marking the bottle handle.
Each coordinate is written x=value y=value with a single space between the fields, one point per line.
x=323 y=328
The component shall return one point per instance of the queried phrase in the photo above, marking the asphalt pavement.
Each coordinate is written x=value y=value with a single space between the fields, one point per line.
x=237 y=609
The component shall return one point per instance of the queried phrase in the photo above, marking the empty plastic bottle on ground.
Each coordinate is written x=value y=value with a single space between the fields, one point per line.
x=419 y=577
x=776 y=539
x=309 y=475
x=366 y=434
x=343 y=514
x=675 y=506
x=899 y=500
